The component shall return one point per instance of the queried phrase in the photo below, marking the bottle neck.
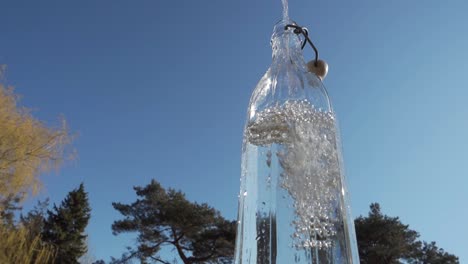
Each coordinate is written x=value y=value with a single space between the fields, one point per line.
x=285 y=43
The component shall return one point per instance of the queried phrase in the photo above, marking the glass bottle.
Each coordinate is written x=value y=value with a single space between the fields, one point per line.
x=293 y=205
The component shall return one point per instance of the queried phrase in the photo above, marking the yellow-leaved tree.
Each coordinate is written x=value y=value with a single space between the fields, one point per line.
x=28 y=147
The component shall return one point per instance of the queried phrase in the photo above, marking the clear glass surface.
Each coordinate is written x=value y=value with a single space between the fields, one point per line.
x=293 y=205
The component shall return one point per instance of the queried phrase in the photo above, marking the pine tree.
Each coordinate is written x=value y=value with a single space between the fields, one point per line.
x=165 y=218
x=65 y=226
x=386 y=240
x=430 y=253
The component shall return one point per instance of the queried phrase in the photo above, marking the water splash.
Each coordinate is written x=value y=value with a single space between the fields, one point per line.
x=285 y=10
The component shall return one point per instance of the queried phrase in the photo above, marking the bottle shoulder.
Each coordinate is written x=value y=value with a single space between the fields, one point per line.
x=289 y=83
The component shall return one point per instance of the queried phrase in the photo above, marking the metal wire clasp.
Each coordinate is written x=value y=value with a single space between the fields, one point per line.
x=302 y=30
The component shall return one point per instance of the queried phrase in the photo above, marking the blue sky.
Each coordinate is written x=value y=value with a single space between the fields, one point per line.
x=159 y=89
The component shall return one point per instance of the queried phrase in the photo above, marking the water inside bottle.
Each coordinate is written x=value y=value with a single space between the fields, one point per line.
x=293 y=194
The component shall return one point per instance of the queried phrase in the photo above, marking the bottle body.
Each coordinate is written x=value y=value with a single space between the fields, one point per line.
x=293 y=205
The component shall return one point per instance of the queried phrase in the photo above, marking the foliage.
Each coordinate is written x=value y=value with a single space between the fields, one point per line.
x=88 y=257
x=17 y=246
x=383 y=239
x=65 y=226
x=27 y=147
x=33 y=221
x=431 y=254
x=197 y=232
x=8 y=208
